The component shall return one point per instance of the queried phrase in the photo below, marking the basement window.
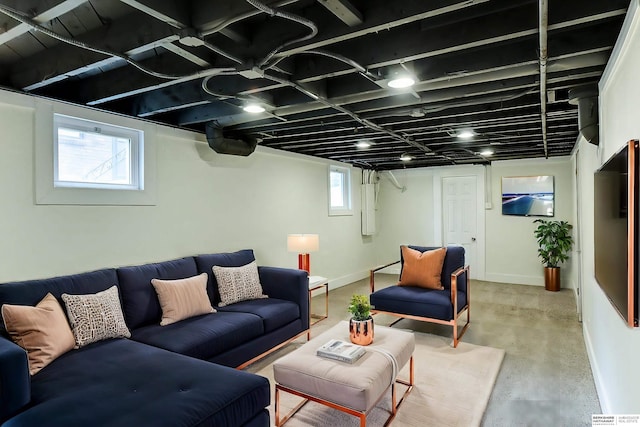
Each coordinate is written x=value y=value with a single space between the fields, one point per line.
x=88 y=157
x=339 y=191
x=89 y=154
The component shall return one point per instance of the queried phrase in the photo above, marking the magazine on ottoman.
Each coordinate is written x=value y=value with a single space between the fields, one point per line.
x=341 y=351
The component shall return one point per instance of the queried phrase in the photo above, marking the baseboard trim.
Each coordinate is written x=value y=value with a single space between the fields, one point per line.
x=515 y=279
x=601 y=389
x=339 y=282
x=390 y=270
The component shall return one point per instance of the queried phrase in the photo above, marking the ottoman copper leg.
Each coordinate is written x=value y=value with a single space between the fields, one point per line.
x=277 y=407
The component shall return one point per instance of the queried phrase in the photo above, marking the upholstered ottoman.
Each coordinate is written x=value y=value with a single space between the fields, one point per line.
x=351 y=388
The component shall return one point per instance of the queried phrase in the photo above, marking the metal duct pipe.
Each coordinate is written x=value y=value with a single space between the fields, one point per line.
x=222 y=145
x=544 y=54
x=586 y=98
x=368 y=123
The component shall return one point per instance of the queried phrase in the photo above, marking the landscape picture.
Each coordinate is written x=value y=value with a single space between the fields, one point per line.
x=528 y=195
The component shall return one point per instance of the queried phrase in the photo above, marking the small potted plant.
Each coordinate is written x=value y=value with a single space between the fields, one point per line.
x=554 y=244
x=361 y=322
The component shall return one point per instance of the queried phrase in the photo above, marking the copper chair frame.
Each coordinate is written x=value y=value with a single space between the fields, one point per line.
x=360 y=414
x=454 y=299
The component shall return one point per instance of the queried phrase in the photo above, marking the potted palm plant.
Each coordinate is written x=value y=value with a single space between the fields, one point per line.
x=361 y=322
x=554 y=244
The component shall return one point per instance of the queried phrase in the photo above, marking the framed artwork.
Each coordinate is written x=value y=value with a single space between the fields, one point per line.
x=528 y=195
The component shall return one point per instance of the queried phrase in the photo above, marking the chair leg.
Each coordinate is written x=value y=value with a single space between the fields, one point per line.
x=455 y=333
x=456 y=336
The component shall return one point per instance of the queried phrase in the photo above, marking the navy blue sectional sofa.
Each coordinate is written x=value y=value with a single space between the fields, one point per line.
x=181 y=374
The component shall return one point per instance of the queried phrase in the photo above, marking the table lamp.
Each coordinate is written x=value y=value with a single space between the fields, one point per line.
x=303 y=244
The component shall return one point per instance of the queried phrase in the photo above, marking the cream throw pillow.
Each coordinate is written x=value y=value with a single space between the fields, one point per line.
x=182 y=298
x=43 y=331
x=422 y=269
x=238 y=283
x=96 y=317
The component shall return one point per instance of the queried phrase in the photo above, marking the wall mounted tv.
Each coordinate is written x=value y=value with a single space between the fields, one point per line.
x=615 y=230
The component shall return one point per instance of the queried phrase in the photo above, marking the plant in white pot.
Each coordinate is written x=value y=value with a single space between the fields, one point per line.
x=361 y=322
x=554 y=245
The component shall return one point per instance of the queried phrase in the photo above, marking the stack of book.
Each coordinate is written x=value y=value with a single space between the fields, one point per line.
x=341 y=350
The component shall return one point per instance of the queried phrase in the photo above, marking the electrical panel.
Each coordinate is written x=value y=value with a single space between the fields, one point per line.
x=368 y=209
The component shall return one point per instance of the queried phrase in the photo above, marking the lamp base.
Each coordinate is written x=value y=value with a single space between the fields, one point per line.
x=303 y=263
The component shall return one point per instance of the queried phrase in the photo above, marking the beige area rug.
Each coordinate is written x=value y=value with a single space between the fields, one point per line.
x=452 y=388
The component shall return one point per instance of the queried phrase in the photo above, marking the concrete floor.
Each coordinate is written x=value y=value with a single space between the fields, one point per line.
x=545 y=379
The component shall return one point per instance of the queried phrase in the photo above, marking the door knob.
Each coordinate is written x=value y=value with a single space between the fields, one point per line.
x=473 y=239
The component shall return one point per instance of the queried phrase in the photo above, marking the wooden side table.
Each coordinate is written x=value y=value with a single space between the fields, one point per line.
x=315 y=283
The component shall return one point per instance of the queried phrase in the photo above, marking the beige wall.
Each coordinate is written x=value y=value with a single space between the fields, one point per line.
x=512 y=251
x=506 y=242
x=404 y=217
x=613 y=347
x=206 y=203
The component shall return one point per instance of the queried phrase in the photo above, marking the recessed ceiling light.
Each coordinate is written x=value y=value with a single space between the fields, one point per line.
x=363 y=144
x=465 y=134
x=486 y=153
x=406 y=158
x=253 y=108
x=417 y=113
x=401 y=82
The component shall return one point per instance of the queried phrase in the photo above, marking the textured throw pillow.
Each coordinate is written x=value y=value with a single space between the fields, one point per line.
x=43 y=331
x=238 y=283
x=422 y=269
x=182 y=298
x=96 y=317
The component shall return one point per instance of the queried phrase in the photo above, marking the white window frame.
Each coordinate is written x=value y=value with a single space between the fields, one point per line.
x=136 y=151
x=47 y=192
x=346 y=191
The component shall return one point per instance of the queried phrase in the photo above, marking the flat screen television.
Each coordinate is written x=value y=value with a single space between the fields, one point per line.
x=615 y=231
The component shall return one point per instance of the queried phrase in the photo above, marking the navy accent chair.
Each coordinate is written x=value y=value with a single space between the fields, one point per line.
x=429 y=305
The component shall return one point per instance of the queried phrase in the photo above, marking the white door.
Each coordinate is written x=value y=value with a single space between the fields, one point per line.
x=459 y=216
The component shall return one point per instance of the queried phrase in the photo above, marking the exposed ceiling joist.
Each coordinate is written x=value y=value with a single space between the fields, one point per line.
x=52 y=13
x=344 y=10
x=174 y=13
x=475 y=64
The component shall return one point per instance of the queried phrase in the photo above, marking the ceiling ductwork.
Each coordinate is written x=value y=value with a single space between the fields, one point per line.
x=586 y=98
x=321 y=69
x=222 y=145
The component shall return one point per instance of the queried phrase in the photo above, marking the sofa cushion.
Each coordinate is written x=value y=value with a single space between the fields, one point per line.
x=96 y=317
x=139 y=299
x=203 y=336
x=273 y=312
x=182 y=298
x=30 y=292
x=417 y=301
x=206 y=262
x=43 y=331
x=238 y=283
x=139 y=385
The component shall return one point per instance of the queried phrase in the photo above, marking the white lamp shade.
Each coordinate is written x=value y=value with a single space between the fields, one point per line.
x=303 y=243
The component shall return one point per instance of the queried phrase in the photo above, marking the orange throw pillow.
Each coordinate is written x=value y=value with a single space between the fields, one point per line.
x=43 y=331
x=422 y=269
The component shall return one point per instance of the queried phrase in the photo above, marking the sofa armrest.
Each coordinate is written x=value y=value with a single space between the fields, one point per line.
x=287 y=284
x=15 y=381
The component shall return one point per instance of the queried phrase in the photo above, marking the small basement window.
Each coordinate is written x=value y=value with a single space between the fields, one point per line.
x=88 y=157
x=339 y=191
x=89 y=154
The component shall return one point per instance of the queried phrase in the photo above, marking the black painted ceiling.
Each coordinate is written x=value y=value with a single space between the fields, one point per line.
x=320 y=68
